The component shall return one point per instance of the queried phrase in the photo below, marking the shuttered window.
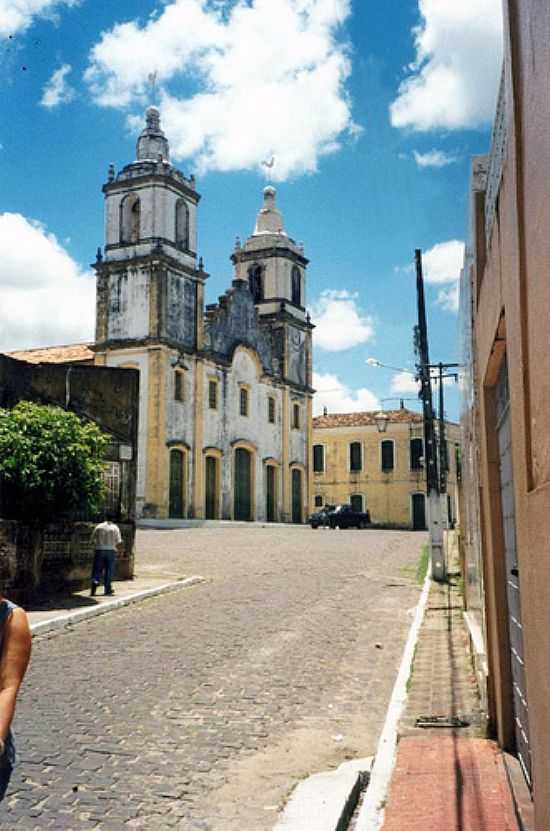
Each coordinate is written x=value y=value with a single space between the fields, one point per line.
x=417 y=453
x=318 y=458
x=213 y=395
x=355 y=456
x=271 y=410
x=243 y=401
x=387 y=455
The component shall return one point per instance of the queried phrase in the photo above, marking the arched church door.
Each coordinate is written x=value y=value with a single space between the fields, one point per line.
x=296 y=495
x=243 y=484
x=211 y=477
x=270 y=493
x=176 y=503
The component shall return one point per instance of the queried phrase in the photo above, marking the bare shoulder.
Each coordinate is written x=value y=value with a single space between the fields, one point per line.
x=18 y=622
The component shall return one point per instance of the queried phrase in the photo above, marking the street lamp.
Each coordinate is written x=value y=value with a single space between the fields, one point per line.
x=381 y=420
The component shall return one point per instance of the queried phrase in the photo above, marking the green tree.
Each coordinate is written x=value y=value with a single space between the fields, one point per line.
x=51 y=463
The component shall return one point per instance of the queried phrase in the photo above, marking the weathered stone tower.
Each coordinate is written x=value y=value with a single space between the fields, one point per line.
x=149 y=288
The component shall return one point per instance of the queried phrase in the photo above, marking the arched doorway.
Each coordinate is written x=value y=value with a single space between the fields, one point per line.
x=297 y=495
x=243 y=485
x=419 y=512
x=176 y=501
x=270 y=493
x=211 y=487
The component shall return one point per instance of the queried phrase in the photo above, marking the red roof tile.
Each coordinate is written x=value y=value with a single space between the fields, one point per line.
x=365 y=419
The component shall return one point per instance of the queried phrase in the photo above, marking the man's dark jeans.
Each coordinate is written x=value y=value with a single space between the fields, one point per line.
x=104 y=565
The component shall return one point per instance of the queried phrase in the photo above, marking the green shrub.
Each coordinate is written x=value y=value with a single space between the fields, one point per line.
x=51 y=464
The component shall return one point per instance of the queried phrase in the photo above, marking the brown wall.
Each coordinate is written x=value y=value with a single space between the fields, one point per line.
x=34 y=562
x=512 y=317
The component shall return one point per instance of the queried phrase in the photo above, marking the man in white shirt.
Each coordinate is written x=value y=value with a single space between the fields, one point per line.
x=107 y=540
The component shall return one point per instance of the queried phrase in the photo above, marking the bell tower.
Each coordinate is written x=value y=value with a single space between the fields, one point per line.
x=274 y=266
x=149 y=288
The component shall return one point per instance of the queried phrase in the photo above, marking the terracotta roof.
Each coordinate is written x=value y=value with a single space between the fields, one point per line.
x=365 y=419
x=70 y=353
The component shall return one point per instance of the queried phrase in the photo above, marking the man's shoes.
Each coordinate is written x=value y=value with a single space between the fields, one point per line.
x=93 y=590
x=109 y=593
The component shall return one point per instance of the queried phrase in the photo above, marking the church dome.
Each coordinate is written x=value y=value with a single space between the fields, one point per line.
x=269 y=219
x=152 y=144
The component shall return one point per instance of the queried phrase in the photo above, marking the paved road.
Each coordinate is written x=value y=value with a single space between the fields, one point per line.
x=202 y=709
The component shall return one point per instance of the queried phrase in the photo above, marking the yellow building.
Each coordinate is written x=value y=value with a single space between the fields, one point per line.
x=354 y=462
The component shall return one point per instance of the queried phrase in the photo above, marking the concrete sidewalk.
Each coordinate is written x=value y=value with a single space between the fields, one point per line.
x=448 y=776
x=61 y=610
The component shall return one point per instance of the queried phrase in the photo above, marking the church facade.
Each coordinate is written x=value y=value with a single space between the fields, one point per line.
x=225 y=409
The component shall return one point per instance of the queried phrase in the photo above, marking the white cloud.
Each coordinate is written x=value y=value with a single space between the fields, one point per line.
x=433 y=158
x=339 y=398
x=269 y=78
x=404 y=382
x=45 y=297
x=339 y=322
x=57 y=90
x=448 y=298
x=453 y=82
x=17 y=15
x=442 y=263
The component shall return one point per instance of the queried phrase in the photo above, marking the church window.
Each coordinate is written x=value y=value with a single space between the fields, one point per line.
x=319 y=501
x=182 y=224
x=387 y=460
x=178 y=385
x=318 y=458
x=255 y=282
x=416 y=454
x=130 y=218
x=243 y=401
x=296 y=286
x=355 y=457
x=296 y=416
x=213 y=395
x=271 y=409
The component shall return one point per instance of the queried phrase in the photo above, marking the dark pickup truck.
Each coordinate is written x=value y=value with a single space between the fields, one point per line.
x=343 y=516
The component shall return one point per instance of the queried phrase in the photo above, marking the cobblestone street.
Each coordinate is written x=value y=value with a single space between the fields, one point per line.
x=202 y=709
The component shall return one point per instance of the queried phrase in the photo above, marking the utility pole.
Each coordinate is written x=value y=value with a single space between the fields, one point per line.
x=435 y=526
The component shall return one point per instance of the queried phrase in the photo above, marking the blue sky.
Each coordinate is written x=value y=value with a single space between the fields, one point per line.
x=371 y=109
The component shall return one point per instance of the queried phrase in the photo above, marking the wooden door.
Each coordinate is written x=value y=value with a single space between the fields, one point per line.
x=270 y=493
x=419 y=512
x=297 y=496
x=176 y=500
x=243 y=485
x=211 y=487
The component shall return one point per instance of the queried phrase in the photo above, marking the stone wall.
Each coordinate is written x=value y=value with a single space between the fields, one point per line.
x=36 y=562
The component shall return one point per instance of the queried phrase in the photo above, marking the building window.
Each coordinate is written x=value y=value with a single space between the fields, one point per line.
x=130 y=218
x=182 y=224
x=271 y=410
x=178 y=385
x=296 y=286
x=318 y=458
x=296 y=416
x=387 y=455
x=213 y=395
x=356 y=501
x=243 y=401
x=417 y=453
x=318 y=501
x=255 y=283
x=355 y=456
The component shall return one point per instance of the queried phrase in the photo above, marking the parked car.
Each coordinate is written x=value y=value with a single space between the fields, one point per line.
x=344 y=516
x=321 y=517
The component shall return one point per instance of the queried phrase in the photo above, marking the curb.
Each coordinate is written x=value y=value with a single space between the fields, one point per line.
x=61 y=621
x=371 y=813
